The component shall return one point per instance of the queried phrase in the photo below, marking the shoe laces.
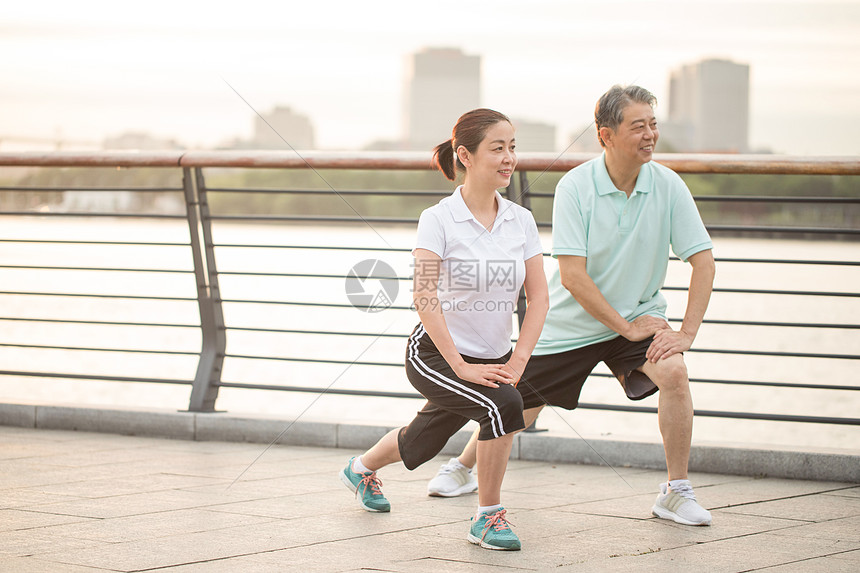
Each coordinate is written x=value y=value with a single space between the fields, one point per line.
x=685 y=490
x=497 y=521
x=370 y=480
x=447 y=469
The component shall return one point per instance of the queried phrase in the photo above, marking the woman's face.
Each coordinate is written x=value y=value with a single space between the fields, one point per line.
x=494 y=160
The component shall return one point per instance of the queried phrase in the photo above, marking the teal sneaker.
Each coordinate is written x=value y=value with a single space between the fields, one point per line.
x=367 y=485
x=492 y=531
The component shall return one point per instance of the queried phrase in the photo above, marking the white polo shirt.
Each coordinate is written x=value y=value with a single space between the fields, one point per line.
x=481 y=272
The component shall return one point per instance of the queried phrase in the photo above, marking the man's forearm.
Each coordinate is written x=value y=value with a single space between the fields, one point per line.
x=579 y=284
x=589 y=297
x=701 y=286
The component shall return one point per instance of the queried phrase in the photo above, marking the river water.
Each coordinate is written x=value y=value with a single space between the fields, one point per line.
x=314 y=406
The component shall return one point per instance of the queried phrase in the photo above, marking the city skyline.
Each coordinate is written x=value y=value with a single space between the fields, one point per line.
x=87 y=72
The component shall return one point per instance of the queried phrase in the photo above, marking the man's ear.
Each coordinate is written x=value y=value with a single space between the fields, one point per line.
x=464 y=156
x=606 y=134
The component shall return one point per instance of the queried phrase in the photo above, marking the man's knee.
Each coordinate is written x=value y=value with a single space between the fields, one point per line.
x=670 y=375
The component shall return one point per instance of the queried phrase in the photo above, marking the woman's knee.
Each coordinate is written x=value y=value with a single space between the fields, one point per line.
x=505 y=416
x=511 y=401
x=417 y=448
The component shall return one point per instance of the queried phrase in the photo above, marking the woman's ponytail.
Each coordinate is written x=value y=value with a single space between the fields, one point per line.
x=443 y=159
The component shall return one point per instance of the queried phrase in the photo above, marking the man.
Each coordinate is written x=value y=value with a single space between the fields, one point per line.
x=614 y=220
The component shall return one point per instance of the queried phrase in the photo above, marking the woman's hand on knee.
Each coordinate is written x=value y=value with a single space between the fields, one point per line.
x=490 y=375
x=515 y=367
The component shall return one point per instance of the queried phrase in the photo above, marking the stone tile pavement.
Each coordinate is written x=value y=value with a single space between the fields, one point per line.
x=85 y=502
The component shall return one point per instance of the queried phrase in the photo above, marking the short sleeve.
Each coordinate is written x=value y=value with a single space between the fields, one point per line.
x=533 y=246
x=688 y=233
x=431 y=233
x=569 y=235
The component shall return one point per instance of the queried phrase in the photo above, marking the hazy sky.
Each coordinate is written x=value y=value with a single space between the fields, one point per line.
x=89 y=69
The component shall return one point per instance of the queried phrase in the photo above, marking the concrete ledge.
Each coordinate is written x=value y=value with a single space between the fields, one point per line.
x=821 y=465
x=546 y=447
x=739 y=459
x=358 y=436
x=18 y=415
x=162 y=424
x=224 y=427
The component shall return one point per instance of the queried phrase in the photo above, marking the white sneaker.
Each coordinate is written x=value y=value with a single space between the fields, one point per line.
x=679 y=504
x=452 y=480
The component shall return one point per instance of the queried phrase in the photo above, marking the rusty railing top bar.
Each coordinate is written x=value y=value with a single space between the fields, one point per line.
x=91 y=159
x=92 y=189
x=420 y=160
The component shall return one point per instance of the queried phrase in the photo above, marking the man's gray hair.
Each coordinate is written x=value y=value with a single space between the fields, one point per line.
x=609 y=111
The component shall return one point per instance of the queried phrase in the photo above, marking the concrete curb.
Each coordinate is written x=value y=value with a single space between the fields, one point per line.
x=749 y=460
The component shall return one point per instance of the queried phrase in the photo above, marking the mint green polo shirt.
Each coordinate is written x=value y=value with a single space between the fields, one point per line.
x=626 y=242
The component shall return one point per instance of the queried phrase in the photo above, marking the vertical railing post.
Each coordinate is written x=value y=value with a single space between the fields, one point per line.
x=525 y=196
x=519 y=194
x=204 y=390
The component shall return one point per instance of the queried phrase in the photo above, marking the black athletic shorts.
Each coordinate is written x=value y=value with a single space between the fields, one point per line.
x=557 y=379
x=451 y=402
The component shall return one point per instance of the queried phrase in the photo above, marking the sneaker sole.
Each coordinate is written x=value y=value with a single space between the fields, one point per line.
x=485 y=545
x=469 y=488
x=352 y=488
x=666 y=514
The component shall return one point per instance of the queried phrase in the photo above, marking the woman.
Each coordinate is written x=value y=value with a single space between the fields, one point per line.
x=473 y=253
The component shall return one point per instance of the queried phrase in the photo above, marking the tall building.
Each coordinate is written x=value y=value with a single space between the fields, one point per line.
x=293 y=127
x=709 y=107
x=441 y=85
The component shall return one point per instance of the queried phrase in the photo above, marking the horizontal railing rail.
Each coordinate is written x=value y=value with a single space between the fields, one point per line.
x=414 y=161
x=208 y=252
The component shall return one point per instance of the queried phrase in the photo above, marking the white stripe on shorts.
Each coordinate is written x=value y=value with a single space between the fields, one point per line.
x=454 y=386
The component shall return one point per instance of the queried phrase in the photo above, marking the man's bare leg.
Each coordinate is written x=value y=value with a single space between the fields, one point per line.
x=675 y=411
x=676 y=500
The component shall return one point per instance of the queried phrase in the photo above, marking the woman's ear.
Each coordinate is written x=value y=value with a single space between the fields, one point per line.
x=464 y=156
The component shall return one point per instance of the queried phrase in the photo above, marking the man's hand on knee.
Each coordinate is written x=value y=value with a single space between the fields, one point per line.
x=645 y=326
x=667 y=343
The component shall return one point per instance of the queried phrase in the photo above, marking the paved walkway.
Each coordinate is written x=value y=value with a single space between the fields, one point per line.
x=75 y=502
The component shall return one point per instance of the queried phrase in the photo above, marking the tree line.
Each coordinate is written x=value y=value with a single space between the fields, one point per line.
x=232 y=192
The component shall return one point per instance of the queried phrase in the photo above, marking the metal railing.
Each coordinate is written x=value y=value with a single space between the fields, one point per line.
x=204 y=249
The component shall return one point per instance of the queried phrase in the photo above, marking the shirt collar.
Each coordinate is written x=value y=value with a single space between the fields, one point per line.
x=605 y=186
x=461 y=212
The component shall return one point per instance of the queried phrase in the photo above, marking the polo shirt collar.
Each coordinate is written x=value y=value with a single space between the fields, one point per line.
x=461 y=212
x=605 y=186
